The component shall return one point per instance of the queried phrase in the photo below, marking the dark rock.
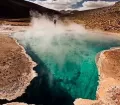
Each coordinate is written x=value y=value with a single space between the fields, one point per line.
x=21 y=9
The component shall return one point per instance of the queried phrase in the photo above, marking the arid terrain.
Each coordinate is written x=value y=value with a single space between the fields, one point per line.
x=105 y=19
x=108 y=62
x=13 y=57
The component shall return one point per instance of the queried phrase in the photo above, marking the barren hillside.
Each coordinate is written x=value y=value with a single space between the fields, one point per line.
x=106 y=19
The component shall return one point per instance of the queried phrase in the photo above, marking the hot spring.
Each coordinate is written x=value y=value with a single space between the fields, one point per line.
x=66 y=61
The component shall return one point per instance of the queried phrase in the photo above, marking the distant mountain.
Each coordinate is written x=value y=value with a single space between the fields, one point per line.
x=21 y=9
x=106 y=18
x=117 y=4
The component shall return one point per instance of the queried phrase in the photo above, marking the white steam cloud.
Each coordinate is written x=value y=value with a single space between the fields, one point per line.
x=43 y=28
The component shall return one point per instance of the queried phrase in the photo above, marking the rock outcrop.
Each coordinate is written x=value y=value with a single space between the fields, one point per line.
x=16 y=69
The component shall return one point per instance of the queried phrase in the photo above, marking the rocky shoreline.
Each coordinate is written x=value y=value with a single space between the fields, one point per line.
x=16 y=68
x=109 y=86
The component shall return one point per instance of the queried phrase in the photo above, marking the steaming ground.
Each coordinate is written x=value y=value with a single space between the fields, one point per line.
x=7 y=29
x=66 y=61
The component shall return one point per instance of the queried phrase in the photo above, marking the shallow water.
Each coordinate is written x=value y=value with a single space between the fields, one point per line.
x=66 y=66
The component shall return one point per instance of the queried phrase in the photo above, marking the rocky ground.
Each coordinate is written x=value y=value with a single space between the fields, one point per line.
x=16 y=69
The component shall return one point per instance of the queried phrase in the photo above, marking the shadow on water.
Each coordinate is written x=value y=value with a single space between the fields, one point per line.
x=41 y=91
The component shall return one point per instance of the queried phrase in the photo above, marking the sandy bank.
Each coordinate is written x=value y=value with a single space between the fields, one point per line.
x=16 y=69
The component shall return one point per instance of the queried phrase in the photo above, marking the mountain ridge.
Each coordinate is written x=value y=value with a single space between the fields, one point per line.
x=21 y=9
x=105 y=19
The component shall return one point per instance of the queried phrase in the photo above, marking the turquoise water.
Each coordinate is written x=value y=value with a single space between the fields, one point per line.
x=70 y=61
x=72 y=64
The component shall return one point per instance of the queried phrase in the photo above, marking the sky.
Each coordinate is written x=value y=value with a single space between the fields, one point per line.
x=74 y=4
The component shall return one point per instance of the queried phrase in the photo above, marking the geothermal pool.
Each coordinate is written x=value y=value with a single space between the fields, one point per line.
x=66 y=63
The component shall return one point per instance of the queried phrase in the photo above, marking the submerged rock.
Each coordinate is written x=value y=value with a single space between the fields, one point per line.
x=16 y=69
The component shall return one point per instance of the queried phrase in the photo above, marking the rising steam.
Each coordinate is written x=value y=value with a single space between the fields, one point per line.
x=69 y=53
